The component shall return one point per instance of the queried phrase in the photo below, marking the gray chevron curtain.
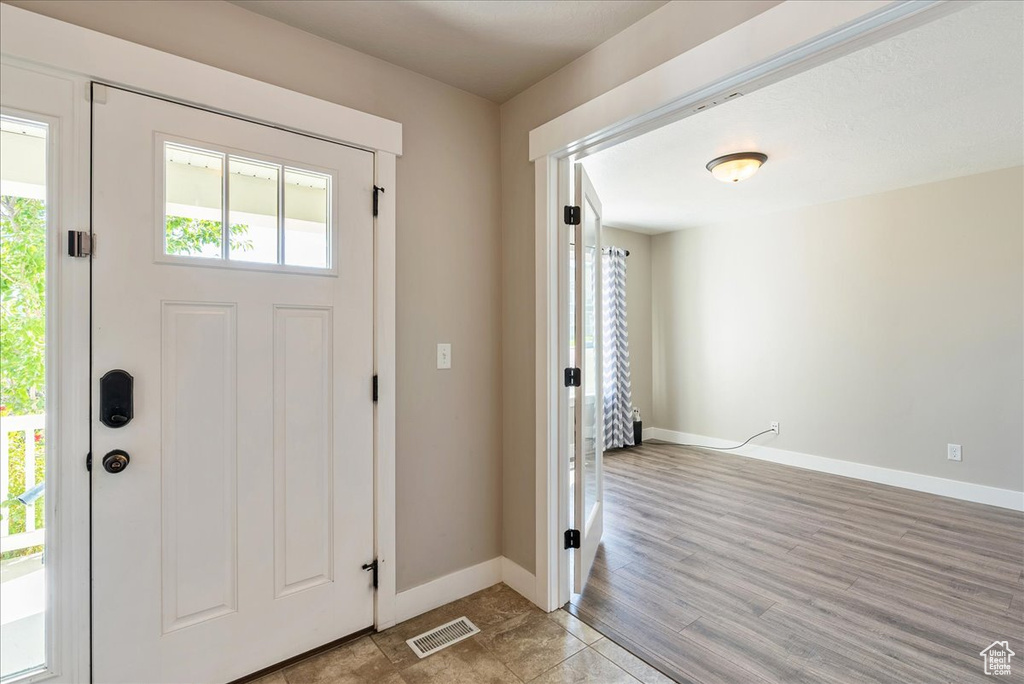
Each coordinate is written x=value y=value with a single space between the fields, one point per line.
x=618 y=399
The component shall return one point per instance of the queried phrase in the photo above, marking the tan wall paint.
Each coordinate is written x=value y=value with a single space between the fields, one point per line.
x=875 y=329
x=658 y=37
x=638 y=313
x=449 y=423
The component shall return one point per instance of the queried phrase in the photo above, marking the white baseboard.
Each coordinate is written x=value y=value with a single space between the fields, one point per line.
x=436 y=593
x=993 y=496
x=419 y=600
x=519 y=578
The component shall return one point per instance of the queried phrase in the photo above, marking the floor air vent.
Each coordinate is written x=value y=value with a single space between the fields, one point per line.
x=442 y=637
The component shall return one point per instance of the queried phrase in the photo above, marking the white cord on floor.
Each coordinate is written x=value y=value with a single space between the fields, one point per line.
x=705 y=446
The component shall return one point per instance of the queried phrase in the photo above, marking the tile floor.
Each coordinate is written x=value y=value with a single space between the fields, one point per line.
x=517 y=642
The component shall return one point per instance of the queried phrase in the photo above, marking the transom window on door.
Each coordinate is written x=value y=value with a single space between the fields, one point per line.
x=260 y=212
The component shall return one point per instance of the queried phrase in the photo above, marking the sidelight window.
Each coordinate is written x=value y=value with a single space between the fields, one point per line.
x=25 y=450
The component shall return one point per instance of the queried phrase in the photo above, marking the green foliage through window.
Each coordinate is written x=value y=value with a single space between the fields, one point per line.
x=22 y=346
x=22 y=305
x=190 y=236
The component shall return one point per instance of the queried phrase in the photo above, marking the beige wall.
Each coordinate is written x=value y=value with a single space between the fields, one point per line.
x=658 y=37
x=449 y=423
x=638 y=312
x=875 y=330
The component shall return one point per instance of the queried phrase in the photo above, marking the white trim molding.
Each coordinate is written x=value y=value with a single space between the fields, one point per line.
x=384 y=354
x=518 y=578
x=462 y=583
x=546 y=309
x=80 y=51
x=954 y=489
x=55 y=98
x=451 y=587
x=786 y=39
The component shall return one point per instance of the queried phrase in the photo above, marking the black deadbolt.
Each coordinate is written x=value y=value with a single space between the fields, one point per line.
x=116 y=400
x=115 y=461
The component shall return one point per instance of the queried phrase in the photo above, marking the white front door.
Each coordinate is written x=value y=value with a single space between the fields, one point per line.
x=232 y=280
x=589 y=400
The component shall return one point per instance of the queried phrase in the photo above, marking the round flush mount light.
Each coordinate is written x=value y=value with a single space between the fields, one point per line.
x=732 y=168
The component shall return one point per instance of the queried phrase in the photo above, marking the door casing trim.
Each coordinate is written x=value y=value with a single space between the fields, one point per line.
x=97 y=56
x=67 y=341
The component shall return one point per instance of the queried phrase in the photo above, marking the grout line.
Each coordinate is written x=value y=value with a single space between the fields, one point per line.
x=544 y=672
x=615 y=664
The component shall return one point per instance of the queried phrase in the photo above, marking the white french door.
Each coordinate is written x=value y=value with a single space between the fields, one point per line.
x=232 y=422
x=588 y=495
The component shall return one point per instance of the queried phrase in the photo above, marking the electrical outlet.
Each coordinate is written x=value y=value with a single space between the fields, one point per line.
x=775 y=426
x=444 y=356
x=954 y=452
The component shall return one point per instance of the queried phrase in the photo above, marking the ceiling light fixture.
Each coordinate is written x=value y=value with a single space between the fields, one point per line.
x=732 y=168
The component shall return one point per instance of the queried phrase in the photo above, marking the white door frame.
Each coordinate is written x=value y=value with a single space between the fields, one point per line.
x=52 y=100
x=784 y=40
x=81 y=56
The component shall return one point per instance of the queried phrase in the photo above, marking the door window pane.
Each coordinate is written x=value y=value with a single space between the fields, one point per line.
x=306 y=208
x=591 y=381
x=571 y=391
x=253 y=210
x=275 y=215
x=23 y=250
x=194 y=201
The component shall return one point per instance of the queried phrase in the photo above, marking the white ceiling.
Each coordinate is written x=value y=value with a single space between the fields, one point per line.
x=493 y=49
x=940 y=101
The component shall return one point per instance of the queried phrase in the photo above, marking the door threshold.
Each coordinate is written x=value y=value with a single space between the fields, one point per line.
x=620 y=639
x=259 y=674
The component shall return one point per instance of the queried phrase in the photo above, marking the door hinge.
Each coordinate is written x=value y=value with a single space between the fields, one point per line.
x=88 y=461
x=375 y=389
x=80 y=243
x=377 y=190
x=572 y=539
x=573 y=377
x=372 y=567
x=572 y=215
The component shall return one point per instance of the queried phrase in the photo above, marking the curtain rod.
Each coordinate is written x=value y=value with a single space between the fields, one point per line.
x=606 y=249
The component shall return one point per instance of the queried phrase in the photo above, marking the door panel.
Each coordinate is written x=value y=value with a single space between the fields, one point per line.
x=234 y=538
x=303 y=406
x=589 y=485
x=199 y=462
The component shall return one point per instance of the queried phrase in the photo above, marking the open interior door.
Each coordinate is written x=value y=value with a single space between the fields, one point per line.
x=587 y=467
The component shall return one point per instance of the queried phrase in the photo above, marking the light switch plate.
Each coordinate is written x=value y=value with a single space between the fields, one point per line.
x=444 y=356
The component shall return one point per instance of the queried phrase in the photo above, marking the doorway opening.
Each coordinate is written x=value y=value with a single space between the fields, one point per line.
x=763 y=297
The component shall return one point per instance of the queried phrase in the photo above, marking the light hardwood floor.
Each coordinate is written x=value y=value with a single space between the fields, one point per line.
x=719 y=568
